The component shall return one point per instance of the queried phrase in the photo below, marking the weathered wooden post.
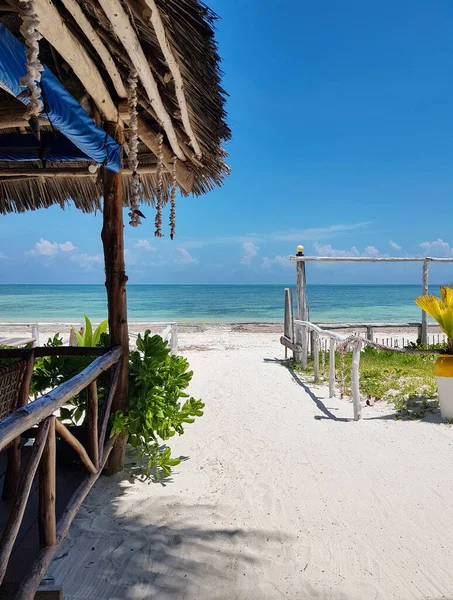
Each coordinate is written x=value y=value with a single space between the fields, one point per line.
x=332 y=368
x=424 y=328
x=315 y=351
x=115 y=282
x=355 y=381
x=302 y=315
x=288 y=326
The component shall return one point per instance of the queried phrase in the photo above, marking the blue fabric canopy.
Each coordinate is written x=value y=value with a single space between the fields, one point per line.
x=61 y=109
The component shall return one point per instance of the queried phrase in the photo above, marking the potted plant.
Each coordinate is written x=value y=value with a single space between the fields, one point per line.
x=441 y=310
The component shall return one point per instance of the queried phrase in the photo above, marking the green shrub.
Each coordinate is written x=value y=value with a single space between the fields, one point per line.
x=157 y=381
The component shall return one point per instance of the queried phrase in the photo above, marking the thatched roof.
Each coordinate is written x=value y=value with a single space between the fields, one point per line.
x=177 y=39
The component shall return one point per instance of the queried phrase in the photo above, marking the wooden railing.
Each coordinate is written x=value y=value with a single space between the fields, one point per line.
x=43 y=455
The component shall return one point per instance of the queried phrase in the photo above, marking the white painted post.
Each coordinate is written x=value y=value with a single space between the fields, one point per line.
x=332 y=368
x=424 y=328
x=355 y=381
x=301 y=312
x=35 y=334
x=174 y=339
x=315 y=350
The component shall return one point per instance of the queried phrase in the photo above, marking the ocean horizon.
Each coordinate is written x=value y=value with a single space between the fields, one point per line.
x=210 y=303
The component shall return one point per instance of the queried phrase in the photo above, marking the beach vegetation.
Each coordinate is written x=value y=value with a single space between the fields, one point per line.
x=404 y=380
x=86 y=337
x=158 y=407
x=441 y=310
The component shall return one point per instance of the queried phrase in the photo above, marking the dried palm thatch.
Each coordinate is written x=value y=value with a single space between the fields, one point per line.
x=179 y=95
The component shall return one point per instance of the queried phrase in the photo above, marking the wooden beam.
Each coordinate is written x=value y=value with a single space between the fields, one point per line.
x=155 y=19
x=149 y=137
x=289 y=344
x=23 y=491
x=56 y=172
x=68 y=437
x=30 y=583
x=368 y=259
x=19 y=121
x=47 y=489
x=53 y=29
x=26 y=417
x=125 y=32
x=40 y=351
x=115 y=282
x=101 y=49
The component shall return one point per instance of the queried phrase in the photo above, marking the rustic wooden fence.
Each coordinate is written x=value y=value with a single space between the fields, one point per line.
x=42 y=457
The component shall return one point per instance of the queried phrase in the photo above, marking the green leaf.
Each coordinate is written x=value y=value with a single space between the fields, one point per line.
x=100 y=330
x=88 y=332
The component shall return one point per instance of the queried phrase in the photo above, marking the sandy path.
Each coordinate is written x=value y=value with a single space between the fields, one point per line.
x=282 y=497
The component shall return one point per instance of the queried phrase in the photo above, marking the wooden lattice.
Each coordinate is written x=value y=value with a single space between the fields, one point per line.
x=10 y=381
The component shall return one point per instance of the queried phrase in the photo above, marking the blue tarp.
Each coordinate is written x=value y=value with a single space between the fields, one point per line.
x=62 y=110
x=52 y=146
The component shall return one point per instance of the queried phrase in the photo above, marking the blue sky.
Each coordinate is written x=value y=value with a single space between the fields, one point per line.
x=342 y=141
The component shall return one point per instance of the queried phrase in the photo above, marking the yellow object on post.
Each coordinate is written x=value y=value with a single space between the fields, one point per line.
x=300 y=250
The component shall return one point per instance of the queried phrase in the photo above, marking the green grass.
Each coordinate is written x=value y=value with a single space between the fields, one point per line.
x=406 y=380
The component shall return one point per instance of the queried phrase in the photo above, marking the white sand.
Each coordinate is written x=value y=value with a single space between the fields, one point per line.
x=282 y=497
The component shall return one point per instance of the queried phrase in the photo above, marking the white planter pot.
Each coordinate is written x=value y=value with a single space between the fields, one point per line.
x=443 y=369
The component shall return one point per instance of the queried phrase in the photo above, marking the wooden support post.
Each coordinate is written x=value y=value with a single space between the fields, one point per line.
x=302 y=313
x=315 y=352
x=312 y=345
x=288 y=326
x=355 y=381
x=92 y=420
x=115 y=282
x=332 y=368
x=23 y=491
x=424 y=328
x=369 y=333
x=47 y=490
x=301 y=337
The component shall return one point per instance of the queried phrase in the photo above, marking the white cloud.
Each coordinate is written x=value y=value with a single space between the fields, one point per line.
x=47 y=248
x=438 y=248
x=297 y=236
x=371 y=251
x=314 y=233
x=145 y=245
x=249 y=251
x=327 y=250
x=3 y=256
x=88 y=262
x=394 y=245
x=280 y=261
x=185 y=258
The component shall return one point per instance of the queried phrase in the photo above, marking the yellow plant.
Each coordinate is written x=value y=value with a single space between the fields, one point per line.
x=441 y=310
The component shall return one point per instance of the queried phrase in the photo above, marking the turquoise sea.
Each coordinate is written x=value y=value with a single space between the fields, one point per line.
x=209 y=303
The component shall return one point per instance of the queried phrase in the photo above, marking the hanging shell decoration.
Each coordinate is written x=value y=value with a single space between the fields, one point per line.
x=29 y=29
x=135 y=212
x=160 y=187
x=173 y=199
